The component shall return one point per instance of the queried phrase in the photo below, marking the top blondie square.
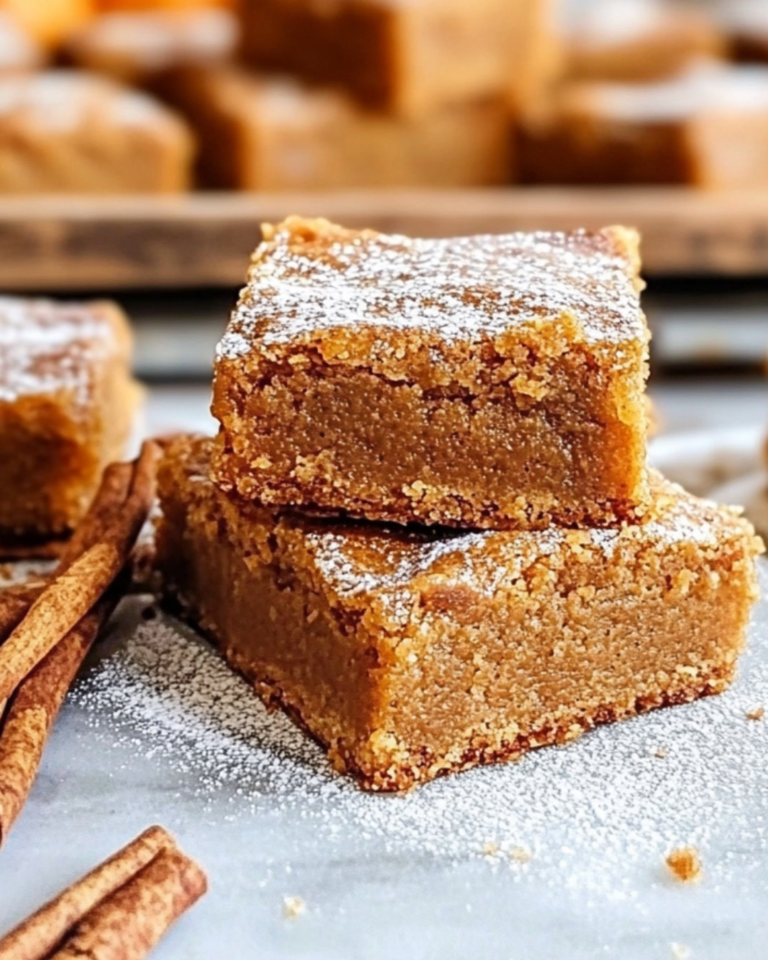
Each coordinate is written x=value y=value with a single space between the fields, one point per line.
x=489 y=382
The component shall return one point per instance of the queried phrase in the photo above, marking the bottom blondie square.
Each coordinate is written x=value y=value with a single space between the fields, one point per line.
x=412 y=654
x=67 y=406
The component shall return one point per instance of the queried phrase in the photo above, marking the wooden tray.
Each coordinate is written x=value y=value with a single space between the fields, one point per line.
x=77 y=243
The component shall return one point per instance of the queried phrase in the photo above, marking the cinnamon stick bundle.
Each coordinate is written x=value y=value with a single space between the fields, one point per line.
x=118 y=911
x=107 y=536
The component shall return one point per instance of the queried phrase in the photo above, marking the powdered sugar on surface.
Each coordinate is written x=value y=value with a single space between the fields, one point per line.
x=466 y=289
x=48 y=347
x=589 y=813
x=157 y=39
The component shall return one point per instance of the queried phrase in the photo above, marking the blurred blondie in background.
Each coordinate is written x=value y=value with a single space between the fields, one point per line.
x=291 y=94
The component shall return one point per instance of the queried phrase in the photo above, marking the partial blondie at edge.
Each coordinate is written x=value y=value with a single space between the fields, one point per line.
x=67 y=408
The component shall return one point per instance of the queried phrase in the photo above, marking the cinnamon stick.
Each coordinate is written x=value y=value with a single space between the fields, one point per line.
x=112 y=493
x=130 y=922
x=80 y=584
x=34 y=709
x=14 y=603
x=57 y=611
x=37 y=937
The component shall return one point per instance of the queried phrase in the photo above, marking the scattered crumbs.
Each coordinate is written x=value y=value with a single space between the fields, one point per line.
x=684 y=864
x=757 y=714
x=490 y=848
x=293 y=907
x=520 y=855
x=680 y=951
x=660 y=752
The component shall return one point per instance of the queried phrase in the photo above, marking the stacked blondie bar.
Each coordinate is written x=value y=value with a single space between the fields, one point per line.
x=426 y=527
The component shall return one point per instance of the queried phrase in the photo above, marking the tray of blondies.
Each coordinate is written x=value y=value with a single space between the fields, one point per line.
x=414 y=647
x=145 y=147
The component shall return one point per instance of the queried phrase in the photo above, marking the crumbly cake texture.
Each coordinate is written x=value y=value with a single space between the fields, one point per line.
x=401 y=56
x=67 y=403
x=413 y=654
x=491 y=381
x=70 y=130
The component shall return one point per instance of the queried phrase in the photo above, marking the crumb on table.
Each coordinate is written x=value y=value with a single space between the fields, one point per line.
x=684 y=864
x=757 y=714
x=293 y=907
x=680 y=951
x=520 y=854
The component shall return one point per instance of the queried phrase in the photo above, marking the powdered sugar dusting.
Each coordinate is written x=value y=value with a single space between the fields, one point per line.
x=467 y=289
x=48 y=347
x=360 y=560
x=626 y=793
x=598 y=23
x=65 y=100
x=158 y=39
x=704 y=88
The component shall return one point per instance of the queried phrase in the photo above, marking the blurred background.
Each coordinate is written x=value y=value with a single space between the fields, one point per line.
x=142 y=142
